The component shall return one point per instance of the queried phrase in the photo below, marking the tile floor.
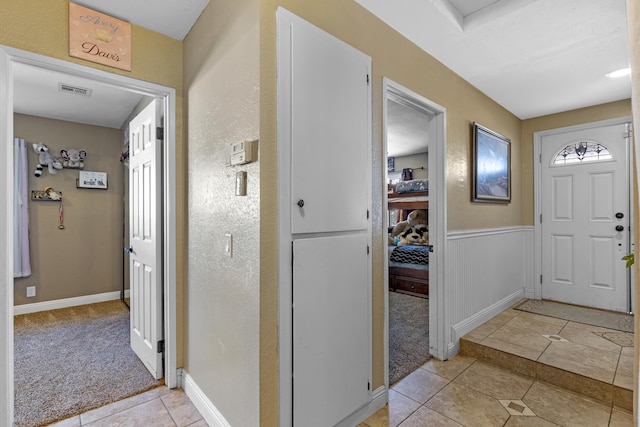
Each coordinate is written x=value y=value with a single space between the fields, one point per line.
x=506 y=373
x=586 y=359
x=466 y=392
x=159 y=407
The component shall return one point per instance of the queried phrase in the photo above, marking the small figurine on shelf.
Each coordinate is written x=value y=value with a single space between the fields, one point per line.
x=53 y=194
x=73 y=158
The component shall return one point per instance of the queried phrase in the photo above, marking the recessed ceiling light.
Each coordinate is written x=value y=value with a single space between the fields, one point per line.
x=619 y=73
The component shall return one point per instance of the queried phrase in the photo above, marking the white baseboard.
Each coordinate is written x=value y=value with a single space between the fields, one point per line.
x=469 y=324
x=207 y=409
x=64 y=303
x=379 y=398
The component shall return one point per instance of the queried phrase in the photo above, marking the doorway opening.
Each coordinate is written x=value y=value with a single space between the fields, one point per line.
x=414 y=141
x=10 y=59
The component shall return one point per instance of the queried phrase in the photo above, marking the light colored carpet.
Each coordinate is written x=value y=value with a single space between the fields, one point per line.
x=408 y=334
x=590 y=316
x=72 y=360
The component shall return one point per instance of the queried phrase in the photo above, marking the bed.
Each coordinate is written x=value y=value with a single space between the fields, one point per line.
x=409 y=270
x=408 y=265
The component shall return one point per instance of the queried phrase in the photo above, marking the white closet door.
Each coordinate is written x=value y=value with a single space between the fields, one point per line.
x=327 y=104
x=330 y=127
x=330 y=324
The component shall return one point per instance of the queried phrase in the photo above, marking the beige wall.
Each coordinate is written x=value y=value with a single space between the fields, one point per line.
x=394 y=57
x=413 y=161
x=86 y=257
x=570 y=118
x=42 y=27
x=222 y=294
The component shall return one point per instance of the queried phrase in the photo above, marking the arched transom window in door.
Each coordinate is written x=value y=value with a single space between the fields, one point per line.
x=582 y=152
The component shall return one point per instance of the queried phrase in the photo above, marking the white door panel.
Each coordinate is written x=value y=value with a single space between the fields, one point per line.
x=326 y=105
x=330 y=119
x=581 y=248
x=330 y=318
x=144 y=238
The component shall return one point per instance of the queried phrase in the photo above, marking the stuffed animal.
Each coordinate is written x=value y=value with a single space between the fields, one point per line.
x=73 y=158
x=418 y=216
x=416 y=235
x=45 y=159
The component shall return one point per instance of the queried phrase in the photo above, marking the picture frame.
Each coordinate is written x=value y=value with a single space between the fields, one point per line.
x=391 y=164
x=491 y=166
x=95 y=180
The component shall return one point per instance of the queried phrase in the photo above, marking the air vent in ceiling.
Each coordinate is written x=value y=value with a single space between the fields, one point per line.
x=74 y=90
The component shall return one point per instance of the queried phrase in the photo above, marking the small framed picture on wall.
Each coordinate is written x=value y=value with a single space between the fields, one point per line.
x=96 y=180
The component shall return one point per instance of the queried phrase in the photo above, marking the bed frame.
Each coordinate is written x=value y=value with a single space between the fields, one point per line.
x=408 y=280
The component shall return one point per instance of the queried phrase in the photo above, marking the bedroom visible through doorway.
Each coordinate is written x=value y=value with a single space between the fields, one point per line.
x=409 y=129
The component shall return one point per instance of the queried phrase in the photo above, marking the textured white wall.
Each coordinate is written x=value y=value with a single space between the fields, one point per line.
x=221 y=57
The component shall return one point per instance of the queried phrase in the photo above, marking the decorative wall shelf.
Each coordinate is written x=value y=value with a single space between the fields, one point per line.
x=42 y=196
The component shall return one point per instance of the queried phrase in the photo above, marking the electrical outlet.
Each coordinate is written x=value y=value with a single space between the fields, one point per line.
x=31 y=291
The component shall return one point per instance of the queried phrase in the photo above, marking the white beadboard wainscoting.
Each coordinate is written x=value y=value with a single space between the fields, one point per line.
x=487 y=271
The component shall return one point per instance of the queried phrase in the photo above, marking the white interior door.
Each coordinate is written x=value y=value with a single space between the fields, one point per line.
x=145 y=237
x=330 y=323
x=585 y=218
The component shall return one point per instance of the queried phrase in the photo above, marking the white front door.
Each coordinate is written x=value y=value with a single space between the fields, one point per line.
x=585 y=217
x=145 y=261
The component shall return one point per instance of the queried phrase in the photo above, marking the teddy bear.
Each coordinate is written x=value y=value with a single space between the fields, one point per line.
x=45 y=159
x=415 y=217
x=73 y=158
x=416 y=235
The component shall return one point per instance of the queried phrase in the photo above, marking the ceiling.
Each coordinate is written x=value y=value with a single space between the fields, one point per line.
x=534 y=57
x=407 y=130
x=173 y=18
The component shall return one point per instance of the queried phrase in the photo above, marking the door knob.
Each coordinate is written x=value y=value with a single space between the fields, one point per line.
x=619 y=228
x=301 y=203
x=129 y=250
x=619 y=215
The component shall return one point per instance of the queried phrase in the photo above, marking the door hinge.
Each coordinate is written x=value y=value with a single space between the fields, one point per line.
x=368 y=386
x=541 y=278
x=159 y=133
x=367 y=213
x=628 y=130
x=367 y=249
x=367 y=79
x=540 y=158
x=161 y=346
x=540 y=218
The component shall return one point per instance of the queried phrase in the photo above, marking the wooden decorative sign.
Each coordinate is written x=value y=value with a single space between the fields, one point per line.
x=99 y=38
